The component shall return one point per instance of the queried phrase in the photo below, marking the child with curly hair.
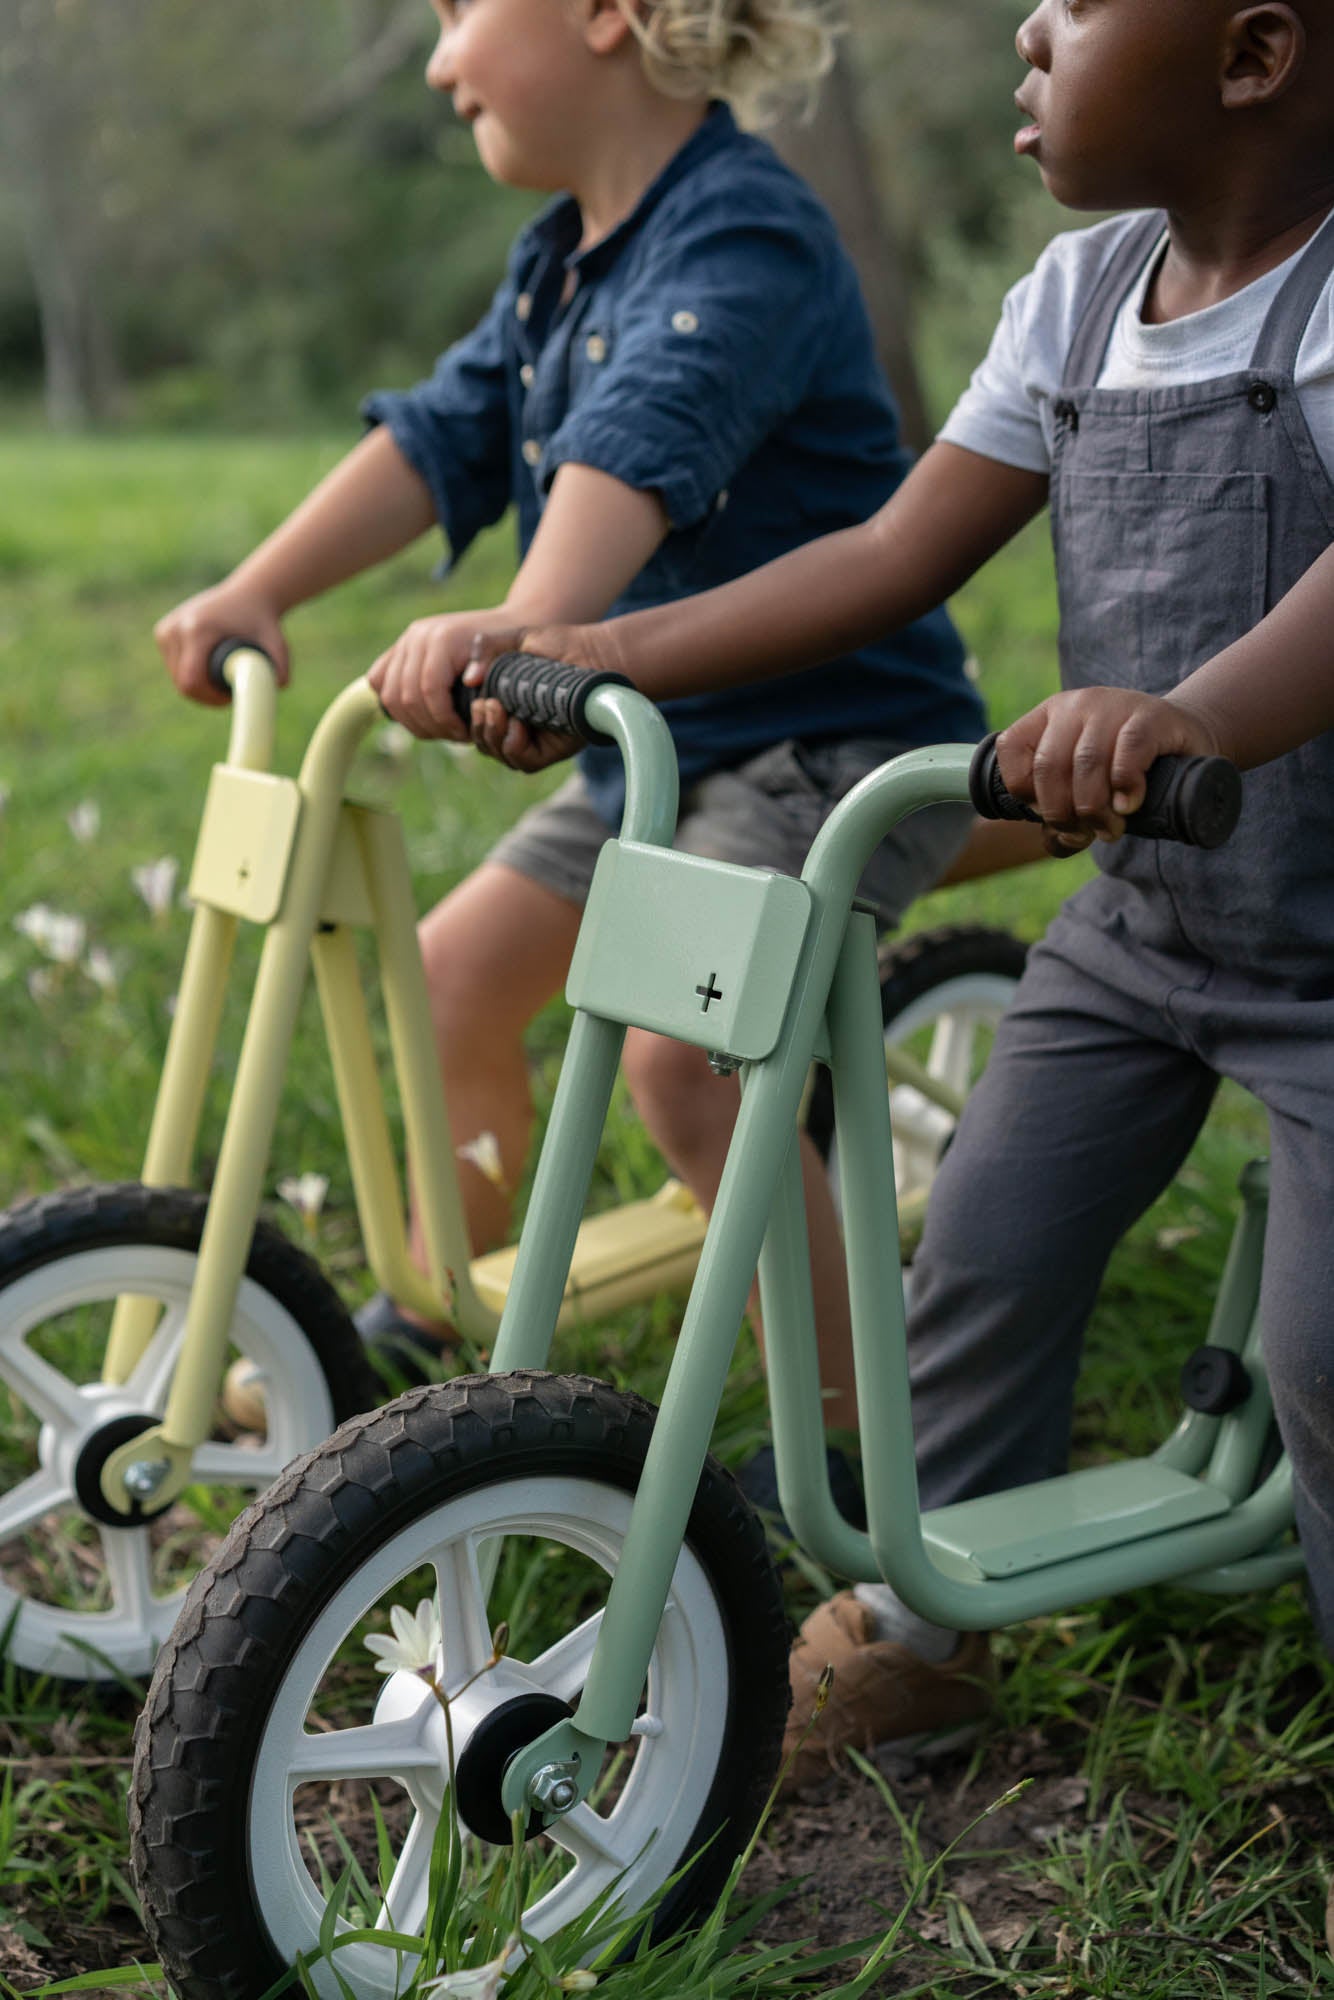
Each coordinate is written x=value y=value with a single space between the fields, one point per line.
x=675 y=382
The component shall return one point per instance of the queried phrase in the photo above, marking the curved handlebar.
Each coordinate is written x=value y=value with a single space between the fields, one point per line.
x=548 y=694
x=1195 y=800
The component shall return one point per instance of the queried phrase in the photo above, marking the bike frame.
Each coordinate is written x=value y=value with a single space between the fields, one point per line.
x=1187 y=1513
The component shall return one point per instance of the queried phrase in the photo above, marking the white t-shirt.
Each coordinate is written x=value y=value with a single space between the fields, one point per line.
x=1006 y=411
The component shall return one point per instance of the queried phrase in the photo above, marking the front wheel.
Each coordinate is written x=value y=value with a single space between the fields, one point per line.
x=275 y=1777
x=83 y=1594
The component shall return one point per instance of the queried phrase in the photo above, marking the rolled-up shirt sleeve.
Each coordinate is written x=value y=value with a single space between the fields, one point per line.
x=999 y=414
x=713 y=344
x=454 y=428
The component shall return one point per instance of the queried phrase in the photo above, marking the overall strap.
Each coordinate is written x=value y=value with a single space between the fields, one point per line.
x=1094 y=332
x=1284 y=329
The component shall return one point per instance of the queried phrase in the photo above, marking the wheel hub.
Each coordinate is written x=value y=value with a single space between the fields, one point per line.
x=93 y=1454
x=481 y=1769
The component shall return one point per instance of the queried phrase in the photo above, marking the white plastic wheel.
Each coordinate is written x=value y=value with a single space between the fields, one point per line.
x=90 y=1600
x=631 y=1840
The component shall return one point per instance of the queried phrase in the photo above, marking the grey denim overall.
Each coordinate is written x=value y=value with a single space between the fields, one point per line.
x=1180 y=516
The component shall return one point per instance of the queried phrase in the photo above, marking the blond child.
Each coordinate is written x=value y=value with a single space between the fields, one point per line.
x=675 y=381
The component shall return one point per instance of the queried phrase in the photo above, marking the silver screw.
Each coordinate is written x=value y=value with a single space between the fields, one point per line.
x=142 y=1478
x=554 y=1788
x=723 y=1065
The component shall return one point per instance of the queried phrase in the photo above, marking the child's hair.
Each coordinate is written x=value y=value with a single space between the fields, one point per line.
x=755 y=54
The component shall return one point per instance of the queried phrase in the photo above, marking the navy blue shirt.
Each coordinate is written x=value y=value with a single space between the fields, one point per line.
x=715 y=349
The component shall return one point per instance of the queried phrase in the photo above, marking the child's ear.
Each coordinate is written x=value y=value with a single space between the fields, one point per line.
x=606 y=24
x=1266 y=47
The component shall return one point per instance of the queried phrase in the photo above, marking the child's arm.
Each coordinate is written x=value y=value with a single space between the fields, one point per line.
x=368 y=508
x=595 y=535
x=1081 y=758
x=952 y=512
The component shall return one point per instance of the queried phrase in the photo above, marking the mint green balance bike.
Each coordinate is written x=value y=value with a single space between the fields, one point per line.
x=162 y=1356
x=627 y=1718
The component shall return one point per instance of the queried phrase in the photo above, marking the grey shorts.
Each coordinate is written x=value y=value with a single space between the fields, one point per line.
x=762 y=814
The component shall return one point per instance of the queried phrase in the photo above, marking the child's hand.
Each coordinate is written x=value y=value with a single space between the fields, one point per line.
x=1081 y=759
x=415 y=678
x=498 y=734
x=186 y=637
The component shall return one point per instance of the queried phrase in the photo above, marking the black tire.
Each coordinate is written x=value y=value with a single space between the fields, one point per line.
x=326 y=1526
x=45 y=1246
x=911 y=970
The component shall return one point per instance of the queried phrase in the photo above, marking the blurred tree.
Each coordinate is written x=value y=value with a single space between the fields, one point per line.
x=49 y=49
x=247 y=213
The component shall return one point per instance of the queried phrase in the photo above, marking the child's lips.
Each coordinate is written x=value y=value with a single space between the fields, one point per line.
x=1027 y=137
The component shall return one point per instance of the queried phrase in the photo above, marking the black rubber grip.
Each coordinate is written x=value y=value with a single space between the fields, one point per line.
x=547 y=694
x=1196 y=800
x=220 y=655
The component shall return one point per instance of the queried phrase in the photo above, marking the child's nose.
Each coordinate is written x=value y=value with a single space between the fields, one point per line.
x=440 y=64
x=1032 y=40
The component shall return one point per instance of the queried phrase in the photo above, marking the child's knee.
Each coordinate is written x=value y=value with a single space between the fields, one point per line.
x=670 y=1082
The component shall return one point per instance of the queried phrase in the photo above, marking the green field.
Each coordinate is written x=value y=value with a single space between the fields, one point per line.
x=1193 y=1737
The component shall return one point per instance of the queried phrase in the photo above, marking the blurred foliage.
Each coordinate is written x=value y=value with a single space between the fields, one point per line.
x=246 y=215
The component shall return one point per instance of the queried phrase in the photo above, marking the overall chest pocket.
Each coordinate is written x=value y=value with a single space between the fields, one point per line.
x=1156 y=572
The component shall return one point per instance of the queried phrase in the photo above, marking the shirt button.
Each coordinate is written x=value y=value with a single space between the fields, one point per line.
x=526 y=374
x=722 y=500
x=595 y=347
x=1262 y=396
x=523 y=305
x=532 y=452
x=685 y=322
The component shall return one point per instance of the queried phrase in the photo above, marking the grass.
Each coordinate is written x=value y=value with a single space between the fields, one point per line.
x=1185 y=1854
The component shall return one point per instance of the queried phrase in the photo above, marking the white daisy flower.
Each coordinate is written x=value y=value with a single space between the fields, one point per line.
x=482 y=1982
x=305 y=1193
x=156 y=883
x=484 y=1153
x=85 y=822
x=415 y=1646
x=102 y=969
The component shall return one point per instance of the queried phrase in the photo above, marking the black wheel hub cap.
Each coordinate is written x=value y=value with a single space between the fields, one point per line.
x=97 y=1449
x=481 y=1769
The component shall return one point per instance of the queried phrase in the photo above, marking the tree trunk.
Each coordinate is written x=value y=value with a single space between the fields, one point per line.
x=42 y=129
x=831 y=151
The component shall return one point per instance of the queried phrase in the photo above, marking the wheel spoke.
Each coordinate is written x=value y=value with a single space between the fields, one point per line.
x=48 y=1393
x=594 y=1841
x=128 y=1558
x=149 y=1383
x=952 y=1050
x=563 y=1668
x=405 y=1901
x=375 y=1750
x=235 y=1465
x=463 y=1620
x=29 y=1500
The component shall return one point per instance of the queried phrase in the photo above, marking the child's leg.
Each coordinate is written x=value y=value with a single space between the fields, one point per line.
x=495 y=951
x=1297 y=1312
x=690 y=1114
x=1083 y=1116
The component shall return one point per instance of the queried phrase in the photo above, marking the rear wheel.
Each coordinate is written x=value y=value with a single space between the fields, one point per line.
x=90 y=1596
x=942 y=993
x=275 y=1772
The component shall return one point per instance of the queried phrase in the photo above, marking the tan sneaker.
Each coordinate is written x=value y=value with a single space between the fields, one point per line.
x=882 y=1693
